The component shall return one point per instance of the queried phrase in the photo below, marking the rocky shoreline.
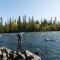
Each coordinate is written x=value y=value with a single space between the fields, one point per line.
x=7 y=54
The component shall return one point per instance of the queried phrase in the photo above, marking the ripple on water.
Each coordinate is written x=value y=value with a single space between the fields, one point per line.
x=35 y=42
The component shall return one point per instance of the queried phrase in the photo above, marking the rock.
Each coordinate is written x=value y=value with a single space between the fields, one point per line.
x=35 y=57
x=15 y=55
x=0 y=52
x=4 y=56
x=3 y=49
x=22 y=55
x=8 y=50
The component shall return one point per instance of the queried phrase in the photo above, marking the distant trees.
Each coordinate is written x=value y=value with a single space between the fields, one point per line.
x=6 y=27
x=29 y=25
x=37 y=26
x=19 y=24
x=24 y=24
x=1 y=25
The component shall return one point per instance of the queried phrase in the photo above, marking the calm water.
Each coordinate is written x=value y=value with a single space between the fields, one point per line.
x=34 y=41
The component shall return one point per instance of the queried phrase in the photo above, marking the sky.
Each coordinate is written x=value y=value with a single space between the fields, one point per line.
x=40 y=9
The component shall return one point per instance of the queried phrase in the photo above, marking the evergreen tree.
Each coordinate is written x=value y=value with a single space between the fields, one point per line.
x=19 y=24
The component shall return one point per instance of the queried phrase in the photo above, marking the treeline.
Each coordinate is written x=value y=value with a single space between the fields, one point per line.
x=29 y=25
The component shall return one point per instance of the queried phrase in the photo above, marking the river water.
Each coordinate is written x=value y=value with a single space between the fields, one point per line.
x=35 y=41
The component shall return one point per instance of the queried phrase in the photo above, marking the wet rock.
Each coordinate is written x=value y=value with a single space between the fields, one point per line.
x=22 y=55
x=7 y=54
x=0 y=52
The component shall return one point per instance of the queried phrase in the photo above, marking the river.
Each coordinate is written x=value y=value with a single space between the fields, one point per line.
x=34 y=41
